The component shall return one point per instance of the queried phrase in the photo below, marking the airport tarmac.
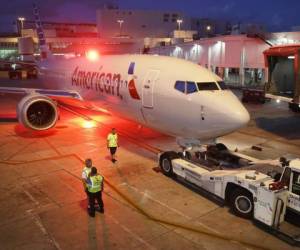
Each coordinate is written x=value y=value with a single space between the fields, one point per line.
x=43 y=206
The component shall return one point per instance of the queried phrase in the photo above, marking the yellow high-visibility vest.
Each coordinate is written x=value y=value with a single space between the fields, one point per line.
x=87 y=171
x=112 y=140
x=96 y=184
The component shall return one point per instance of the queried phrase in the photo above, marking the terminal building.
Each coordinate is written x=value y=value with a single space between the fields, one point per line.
x=61 y=37
x=235 y=52
x=207 y=27
x=238 y=59
x=64 y=38
x=8 y=45
x=116 y=32
x=139 y=23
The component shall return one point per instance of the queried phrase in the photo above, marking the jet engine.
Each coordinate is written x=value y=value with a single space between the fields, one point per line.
x=37 y=112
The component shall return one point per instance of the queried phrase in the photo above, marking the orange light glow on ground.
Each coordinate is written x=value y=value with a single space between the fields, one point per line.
x=88 y=124
x=92 y=55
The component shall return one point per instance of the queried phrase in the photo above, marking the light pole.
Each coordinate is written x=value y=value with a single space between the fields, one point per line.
x=179 y=22
x=120 y=23
x=21 y=20
x=208 y=30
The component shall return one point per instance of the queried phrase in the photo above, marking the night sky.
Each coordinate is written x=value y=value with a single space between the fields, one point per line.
x=276 y=15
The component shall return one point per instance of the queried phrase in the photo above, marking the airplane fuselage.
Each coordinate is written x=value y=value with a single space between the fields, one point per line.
x=142 y=88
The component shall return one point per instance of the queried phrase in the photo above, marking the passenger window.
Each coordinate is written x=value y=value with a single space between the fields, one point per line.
x=222 y=85
x=180 y=86
x=296 y=183
x=191 y=87
x=207 y=86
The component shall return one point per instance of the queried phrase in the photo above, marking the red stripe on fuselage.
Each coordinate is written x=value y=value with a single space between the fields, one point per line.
x=132 y=90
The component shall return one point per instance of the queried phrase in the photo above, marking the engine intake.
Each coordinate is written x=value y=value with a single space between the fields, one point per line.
x=37 y=112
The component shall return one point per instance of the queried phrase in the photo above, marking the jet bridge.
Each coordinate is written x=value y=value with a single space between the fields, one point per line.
x=283 y=63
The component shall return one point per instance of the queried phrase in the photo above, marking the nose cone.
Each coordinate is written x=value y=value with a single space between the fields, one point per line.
x=228 y=113
x=240 y=116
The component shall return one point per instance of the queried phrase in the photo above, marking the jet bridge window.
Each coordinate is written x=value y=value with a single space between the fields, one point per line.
x=207 y=86
x=180 y=86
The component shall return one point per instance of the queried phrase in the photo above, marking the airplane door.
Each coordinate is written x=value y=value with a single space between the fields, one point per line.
x=148 y=86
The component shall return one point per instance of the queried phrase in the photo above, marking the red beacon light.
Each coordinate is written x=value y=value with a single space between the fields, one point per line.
x=92 y=55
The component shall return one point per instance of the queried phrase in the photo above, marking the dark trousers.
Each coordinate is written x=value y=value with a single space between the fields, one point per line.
x=92 y=198
x=113 y=150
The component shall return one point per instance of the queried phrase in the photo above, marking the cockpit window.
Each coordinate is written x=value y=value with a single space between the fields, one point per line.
x=191 y=87
x=207 y=86
x=222 y=85
x=180 y=86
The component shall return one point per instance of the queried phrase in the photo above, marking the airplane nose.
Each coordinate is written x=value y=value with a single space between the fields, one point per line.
x=223 y=113
x=240 y=117
x=232 y=112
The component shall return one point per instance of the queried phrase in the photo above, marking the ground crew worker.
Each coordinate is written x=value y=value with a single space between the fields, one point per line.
x=85 y=174
x=112 y=144
x=95 y=188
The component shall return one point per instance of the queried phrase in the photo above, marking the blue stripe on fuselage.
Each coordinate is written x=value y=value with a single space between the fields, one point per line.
x=131 y=68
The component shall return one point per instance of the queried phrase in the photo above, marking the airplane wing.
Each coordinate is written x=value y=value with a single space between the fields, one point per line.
x=69 y=97
x=55 y=94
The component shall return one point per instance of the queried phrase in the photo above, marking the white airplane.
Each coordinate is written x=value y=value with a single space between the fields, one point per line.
x=173 y=96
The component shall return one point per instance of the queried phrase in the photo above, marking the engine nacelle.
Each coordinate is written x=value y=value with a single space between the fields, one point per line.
x=37 y=112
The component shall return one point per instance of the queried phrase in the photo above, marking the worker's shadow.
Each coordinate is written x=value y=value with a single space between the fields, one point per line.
x=287 y=127
x=107 y=157
x=84 y=204
x=95 y=241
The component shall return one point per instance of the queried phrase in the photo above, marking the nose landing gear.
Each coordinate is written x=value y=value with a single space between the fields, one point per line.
x=185 y=155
